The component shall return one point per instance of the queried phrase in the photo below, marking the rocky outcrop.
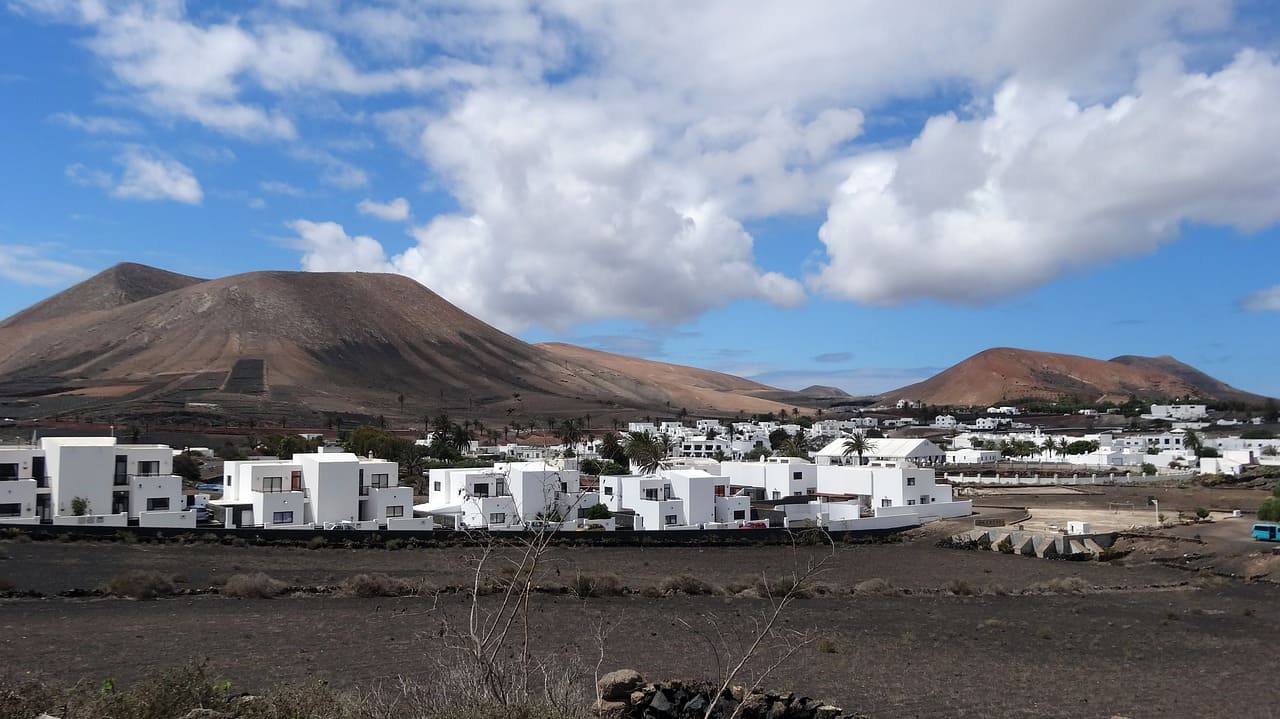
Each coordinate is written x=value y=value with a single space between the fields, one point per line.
x=680 y=700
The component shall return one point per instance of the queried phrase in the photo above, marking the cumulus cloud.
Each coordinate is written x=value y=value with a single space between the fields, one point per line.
x=26 y=265
x=393 y=211
x=146 y=174
x=326 y=247
x=974 y=210
x=151 y=175
x=1267 y=300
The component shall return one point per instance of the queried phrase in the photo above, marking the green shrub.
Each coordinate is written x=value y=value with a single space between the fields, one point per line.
x=1006 y=545
x=598 y=511
x=1202 y=513
x=79 y=506
x=1269 y=510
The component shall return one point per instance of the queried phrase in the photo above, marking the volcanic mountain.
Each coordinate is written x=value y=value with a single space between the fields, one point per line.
x=1004 y=374
x=276 y=342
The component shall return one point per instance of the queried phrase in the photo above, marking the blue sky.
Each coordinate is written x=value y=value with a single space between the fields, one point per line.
x=836 y=193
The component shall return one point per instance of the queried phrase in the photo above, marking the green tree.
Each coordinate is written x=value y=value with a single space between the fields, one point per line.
x=647 y=452
x=79 y=506
x=857 y=444
x=597 y=511
x=569 y=432
x=187 y=467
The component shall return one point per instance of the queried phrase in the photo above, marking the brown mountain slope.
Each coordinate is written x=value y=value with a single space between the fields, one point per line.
x=326 y=341
x=1207 y=386
x=116 y=286
x=685 y=387
x=1005 y=373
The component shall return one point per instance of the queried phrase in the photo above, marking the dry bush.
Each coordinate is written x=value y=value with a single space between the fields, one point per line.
x=139 y=584
x=253 y=586
x=686 y=584
x=959 y=588
x=828 y=646
x=584 y=586
x=779 y=586
x=374 y=585
x=875 y=587
x=317 y=543
x=1062 y=585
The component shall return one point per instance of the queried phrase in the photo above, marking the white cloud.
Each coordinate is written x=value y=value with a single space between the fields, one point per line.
x=150 y=175
x=27 y=265
x=146 y=174
x=395 y=211
x=1267 y=300
x=326 y=247
x=95 y=125
x=977 y=209
x=280 y=188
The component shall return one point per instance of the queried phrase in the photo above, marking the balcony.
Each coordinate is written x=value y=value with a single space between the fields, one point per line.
x=120 y=480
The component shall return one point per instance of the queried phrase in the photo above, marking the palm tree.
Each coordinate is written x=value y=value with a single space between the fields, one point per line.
x=1062 y=446
x=569 y=432
x=647 y=452
x=858 y=444
x=1048 y=446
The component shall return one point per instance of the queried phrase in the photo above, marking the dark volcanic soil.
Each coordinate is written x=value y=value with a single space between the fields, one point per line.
x=1147 y=640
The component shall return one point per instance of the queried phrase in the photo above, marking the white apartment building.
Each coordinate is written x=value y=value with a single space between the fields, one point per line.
x=701 y=446
x=113 y=484
x=317 y=490
x=509 y=496
x=676 y=499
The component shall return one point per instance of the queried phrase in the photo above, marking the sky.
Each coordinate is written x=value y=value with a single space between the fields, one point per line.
x=845 y=193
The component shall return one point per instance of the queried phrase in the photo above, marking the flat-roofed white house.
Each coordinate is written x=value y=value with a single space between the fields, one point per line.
x=510 y=496
x=317 y=490
x=773 y=477
x=875 y=497
x=676 y=499
x=919 y=452
x=112 y=484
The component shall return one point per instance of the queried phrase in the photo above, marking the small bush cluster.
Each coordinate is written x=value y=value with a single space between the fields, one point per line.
x=875 y=587
x=686 y=584
x=585 y=586
x=253 y=586
x=374 y=585
x=140 y=584
x=1062 y=585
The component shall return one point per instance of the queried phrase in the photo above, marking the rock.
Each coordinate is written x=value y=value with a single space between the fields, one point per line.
x=612 y=710
x=826 y=711
x=697 y=706
x=662 y=704
x=755 y=705
x=46 y=716
x=202 y=713
x=617 y=686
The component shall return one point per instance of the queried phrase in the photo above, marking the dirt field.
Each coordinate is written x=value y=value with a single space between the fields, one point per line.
x=1143 y=639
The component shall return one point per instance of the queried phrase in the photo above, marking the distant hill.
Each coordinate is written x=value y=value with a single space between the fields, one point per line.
x=279 y=342
x=1004 y=373
x=116 y=286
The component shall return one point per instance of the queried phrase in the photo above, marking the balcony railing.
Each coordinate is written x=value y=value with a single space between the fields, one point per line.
x=120 y=480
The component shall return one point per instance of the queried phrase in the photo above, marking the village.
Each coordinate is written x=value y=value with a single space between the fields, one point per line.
x=707 y=474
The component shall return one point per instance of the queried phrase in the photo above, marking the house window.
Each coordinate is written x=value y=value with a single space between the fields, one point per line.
x=797 y=475
x=739 y=514
x=157 y=504
x=608 y=491
x=295 y=480
x=395 y=510
x=13 y=509
x=268 y=484
x=911 y=501
x=281 y=517
x=797 y=494
x=497 y=518
x=777 y=495
x=435 y=486
x=911 y=481
x=811 y=490
x=380 y=481
x=886 y=503
x=148 y=469
x=924 y=499
x=8 y=471
x=670 y=519
x=480 y=489
x=651 y=494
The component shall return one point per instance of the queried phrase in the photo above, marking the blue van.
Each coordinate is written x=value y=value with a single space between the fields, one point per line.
x=1267 y=532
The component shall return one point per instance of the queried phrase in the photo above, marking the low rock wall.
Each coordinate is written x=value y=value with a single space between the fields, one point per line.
x=625 y=695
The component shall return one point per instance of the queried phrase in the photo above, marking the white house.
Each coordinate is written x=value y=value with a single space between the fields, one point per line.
x=509 y=496
x=322 y=489
x=676 y=499
x=701 y=446
x=111 y=484
x=944 y=421
x=1178 y=412
x=972 y=456
x=919 y=452
x=773 y=477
